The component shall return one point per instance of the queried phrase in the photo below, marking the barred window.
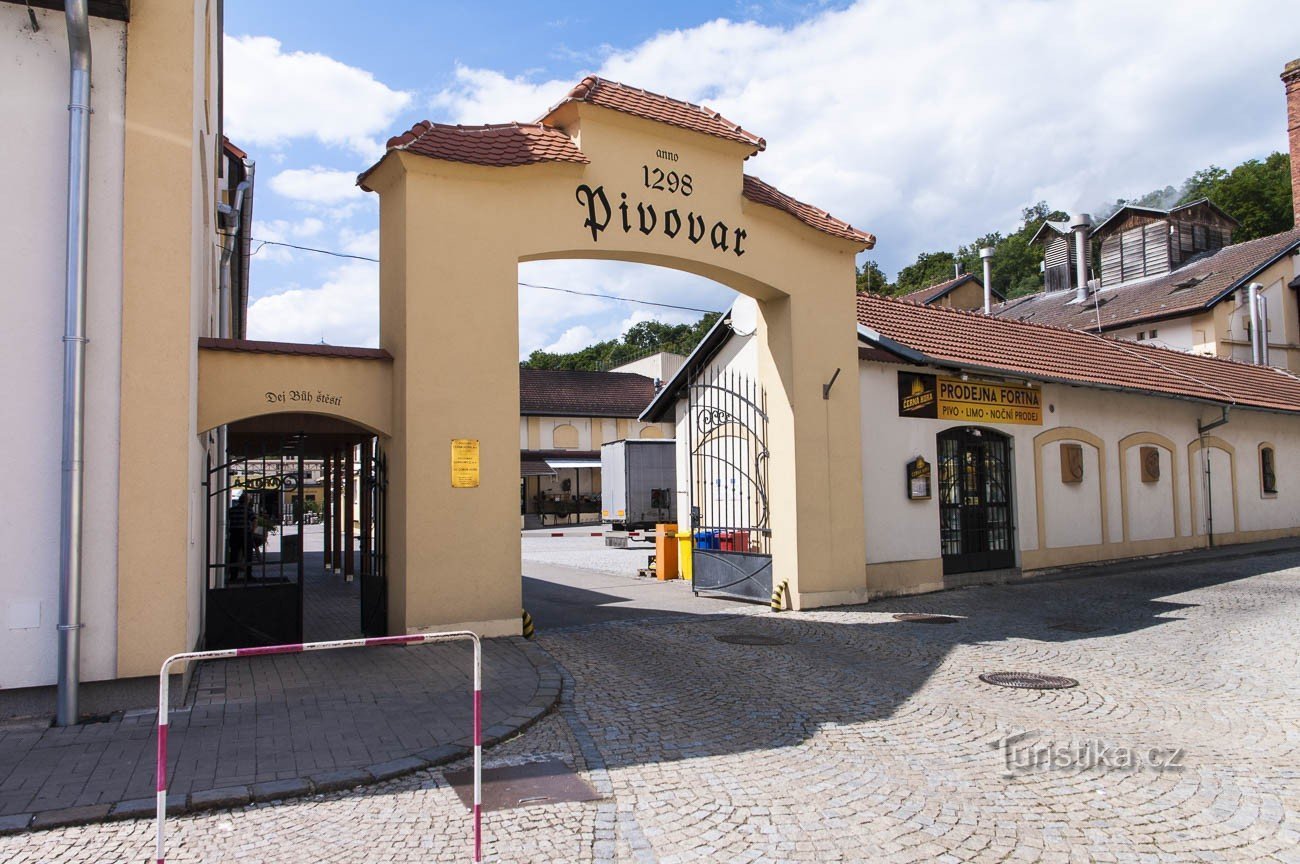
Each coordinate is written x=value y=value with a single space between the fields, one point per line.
x=1267 y=470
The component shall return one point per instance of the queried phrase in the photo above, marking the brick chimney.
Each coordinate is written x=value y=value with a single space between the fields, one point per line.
x=1291 y=78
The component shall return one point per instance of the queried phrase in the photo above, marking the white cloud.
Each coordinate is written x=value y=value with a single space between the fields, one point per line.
x=318 y=185
x=344 y=310
x=272 y=97
x=360 y=243
x=573 y=339
x=932 y=123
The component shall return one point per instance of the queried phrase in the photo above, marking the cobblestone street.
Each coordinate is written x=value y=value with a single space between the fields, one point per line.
x=864 y=738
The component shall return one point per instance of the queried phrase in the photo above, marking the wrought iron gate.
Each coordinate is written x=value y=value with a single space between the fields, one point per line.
x=255 y=515
x=374 y=584
x=730 y=527
x=975 y=513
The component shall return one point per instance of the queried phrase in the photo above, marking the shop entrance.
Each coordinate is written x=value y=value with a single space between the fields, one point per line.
x=976 y=528
x=294 y=546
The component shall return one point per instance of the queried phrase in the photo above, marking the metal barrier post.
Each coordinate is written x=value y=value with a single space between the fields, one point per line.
x=298 y=648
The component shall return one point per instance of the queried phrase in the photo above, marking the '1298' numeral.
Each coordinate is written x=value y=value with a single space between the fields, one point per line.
x=655 y=178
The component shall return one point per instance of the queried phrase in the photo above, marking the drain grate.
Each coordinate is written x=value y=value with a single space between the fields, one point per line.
x=752 y=639
x=923 y=618
x=1028 y=680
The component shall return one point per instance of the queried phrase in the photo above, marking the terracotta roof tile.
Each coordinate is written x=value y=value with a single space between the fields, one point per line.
x=499 y=145
x=561 y=393
x=978 y=341
x=652 y=106
x=1192 y=287
x=764 y=193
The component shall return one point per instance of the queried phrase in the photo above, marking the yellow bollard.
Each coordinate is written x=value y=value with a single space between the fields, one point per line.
x=684 y=554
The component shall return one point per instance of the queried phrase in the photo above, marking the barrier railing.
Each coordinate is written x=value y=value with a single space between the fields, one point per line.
x=298 y=648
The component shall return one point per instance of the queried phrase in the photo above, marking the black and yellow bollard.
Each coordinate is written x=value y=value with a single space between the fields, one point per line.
x=528 y=625
x=780 y=596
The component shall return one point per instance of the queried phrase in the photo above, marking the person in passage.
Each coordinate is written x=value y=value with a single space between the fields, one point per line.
x=239 y=538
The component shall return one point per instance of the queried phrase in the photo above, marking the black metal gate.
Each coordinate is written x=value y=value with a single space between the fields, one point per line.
x=374 y=584
x=255 y=516
x=731 y=531
x=976 y=530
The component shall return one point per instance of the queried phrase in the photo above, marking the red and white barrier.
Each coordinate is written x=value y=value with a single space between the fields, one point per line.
x=297 y=648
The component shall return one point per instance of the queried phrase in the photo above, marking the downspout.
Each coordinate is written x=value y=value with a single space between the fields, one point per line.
x=225 y=316
x=74 y=363
x=1201 y=429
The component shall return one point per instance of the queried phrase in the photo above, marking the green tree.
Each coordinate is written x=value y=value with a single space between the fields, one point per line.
x=641 y=339
x=1257 y=194
x=873 y=280
x=930 y=268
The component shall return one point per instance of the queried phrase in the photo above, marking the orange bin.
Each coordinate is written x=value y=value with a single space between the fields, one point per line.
x=666 y=550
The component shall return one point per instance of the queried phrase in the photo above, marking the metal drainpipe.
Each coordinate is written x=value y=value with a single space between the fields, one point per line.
x=1252 y=302
x=225 y=315
x=74 y=363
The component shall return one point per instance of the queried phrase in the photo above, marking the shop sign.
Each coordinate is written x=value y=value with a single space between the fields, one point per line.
x=935 y=397
x=464 y=463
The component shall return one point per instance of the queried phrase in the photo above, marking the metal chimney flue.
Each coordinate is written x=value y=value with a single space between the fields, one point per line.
x=1079 y=224
x=986 y=257
x=1256 y=337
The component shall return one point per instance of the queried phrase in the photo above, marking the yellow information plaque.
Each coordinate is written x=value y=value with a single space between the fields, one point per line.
x=464 y=463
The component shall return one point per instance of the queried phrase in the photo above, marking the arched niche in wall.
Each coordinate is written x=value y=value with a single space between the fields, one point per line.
x=651 y=432
x=1196 y=472
x=565 y=437
x=1069 y=434
x=1148 y=439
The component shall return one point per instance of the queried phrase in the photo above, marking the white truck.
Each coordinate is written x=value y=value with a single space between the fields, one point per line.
x=638 y=479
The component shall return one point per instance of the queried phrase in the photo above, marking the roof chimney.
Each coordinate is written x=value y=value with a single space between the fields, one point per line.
x=1079 y=224
x=986 y=256
x=1291 y=79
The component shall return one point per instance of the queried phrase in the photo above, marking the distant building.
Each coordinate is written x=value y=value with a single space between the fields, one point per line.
x=962 y=292
x=564 y=417
x=1174 y=277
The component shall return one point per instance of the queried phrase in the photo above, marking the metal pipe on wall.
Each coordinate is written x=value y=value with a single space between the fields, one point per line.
x=74 y=363
x=1252 y=303
x=1263 y=330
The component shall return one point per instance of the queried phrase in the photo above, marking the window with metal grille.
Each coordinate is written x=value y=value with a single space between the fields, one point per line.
x=1267 y=471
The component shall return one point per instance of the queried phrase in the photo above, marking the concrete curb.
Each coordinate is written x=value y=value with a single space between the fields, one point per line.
x=544 y=701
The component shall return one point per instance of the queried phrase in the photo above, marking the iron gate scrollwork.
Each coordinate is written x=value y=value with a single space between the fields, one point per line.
x=730 y=519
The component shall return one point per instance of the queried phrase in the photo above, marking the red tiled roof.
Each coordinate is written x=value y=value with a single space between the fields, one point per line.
x=500 y=145
x=976 y=341
x=1190 y=288
x=561 y=393
x=764 y=193
x=252 y=346
x=662 y=109
x=934 y=292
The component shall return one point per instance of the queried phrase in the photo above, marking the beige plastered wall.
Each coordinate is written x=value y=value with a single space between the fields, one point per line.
x=451 y=238
x=169 y=270
x=234 y=385
x=1112 y=514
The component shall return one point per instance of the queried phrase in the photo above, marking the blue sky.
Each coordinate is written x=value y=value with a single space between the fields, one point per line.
x=926 y=124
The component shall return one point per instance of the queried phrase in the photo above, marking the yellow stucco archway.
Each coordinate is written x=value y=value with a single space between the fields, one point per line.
x=616 y=173
x=1083 y=436
x=1154 y=439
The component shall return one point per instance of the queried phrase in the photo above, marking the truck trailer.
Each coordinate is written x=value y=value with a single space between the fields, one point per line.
x=638 y=478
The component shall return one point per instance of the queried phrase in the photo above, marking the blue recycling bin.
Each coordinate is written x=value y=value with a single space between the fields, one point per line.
x=707 y=540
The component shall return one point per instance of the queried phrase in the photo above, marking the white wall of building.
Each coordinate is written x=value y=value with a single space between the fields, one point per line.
x=1175 y=333
x=33 y=147
x=900 y=530
x=661 y=366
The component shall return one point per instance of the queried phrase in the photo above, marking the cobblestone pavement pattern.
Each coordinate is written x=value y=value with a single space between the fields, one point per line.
x=864 y=739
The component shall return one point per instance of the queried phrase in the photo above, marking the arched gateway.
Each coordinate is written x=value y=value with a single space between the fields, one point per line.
x=617 y=173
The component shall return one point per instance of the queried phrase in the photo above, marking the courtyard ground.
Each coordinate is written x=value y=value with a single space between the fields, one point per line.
x=860 y=737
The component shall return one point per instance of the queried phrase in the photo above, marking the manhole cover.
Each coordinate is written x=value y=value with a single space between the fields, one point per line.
x=1028 y=680
x=923 y=618
x=1075 y=627
x=751 y=639
x=533 y=783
